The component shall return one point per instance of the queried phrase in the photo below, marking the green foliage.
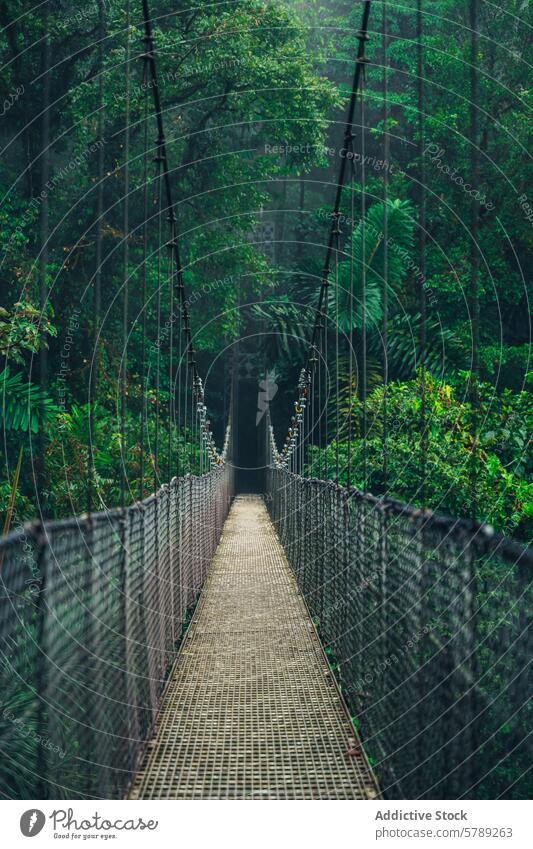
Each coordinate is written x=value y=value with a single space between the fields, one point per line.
x=498 y=472
x=372 y=250
x=233 y=80
x=236 y=81
x=68 y=457
x=23 y=330
x=24 y=405
x=18 y=730
x=23 y=510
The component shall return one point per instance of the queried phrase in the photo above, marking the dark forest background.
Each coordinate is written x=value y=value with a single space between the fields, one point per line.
x=254 y=97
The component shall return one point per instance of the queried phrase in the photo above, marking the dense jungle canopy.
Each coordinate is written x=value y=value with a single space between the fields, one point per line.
x=254 y=96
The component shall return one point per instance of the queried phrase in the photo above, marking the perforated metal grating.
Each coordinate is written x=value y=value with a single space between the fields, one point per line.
x=251 y=711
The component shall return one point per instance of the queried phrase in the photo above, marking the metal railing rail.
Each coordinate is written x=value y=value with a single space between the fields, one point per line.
x=427 y=622
x=91 y=612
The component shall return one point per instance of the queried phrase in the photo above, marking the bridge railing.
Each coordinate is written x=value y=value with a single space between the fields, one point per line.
x=426 y=623
x=91 y=611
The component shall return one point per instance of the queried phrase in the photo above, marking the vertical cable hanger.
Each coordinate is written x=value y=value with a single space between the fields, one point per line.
x=324 y=319
x=337 y=350
x=178 y=393
x=320 y=402
x=299 y=435
x=422 y=250
x=158 y=324
x=193 y=423
x=351 y=322
x=320 y=323
x=201 y=434
x=186 y=411
x=126 y=260
x=44 y=228
x=306 y=430
x=300 y=410
x=144 y=305
x=474 y=250
x=361 y=60
x=203 y=429
x=363 y=287
x=308 y=420
x=316 y=389
x=171 y=405
x=97 y=303
x=196 y=381
x=182 y=355
x=385 y=297
x=314 y=409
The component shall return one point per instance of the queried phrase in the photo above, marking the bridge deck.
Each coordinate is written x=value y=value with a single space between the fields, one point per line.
x=250 y=711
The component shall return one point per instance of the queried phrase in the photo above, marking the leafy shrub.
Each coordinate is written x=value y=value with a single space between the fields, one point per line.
x=499 y=470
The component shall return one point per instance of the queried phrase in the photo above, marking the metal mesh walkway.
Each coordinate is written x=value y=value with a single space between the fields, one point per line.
x=251 y=711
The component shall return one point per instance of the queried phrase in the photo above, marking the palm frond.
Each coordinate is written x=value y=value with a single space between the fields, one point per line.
x=291 y=324
x=23 y=405
x=404 y=345
x=366 y=250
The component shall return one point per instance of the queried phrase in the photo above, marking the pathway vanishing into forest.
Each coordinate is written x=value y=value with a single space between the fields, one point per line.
x=251 y=710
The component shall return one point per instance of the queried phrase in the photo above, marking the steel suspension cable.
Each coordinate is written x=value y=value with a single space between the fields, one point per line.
x=44 y=234
x=186 y=412
x=196 y=381
x=193 y=421
x=309 y=422
x=337 y=354
x=320 y=404
x=158 y=326
x=300 y=453
x=474 y=250
x=325 y=317
x=126 y=260
x=321 y=310
x=351 y=321
x=385 y=296
x=363 y=287
x=171 y=406
x=314 y=394
x=144 y=305
x=97 y=291
x=361 y=60
x=179 y=389
x=150 y=56
x=422 y=250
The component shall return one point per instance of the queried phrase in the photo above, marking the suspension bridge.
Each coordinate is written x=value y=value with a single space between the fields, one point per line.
x=312 y=641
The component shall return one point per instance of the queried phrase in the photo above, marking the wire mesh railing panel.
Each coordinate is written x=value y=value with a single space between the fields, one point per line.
x=151 y=600
x=107 y=609
x=91 y=611
x=72 y=646
x=137 y=691
x=165 y=581
x=20 y=667
x=178 y=606
x=187 y=518
x=427 y=625
x=505 y=596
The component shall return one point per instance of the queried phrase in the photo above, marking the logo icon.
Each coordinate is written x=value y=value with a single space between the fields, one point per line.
x=32 y=822
x=267 y=392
